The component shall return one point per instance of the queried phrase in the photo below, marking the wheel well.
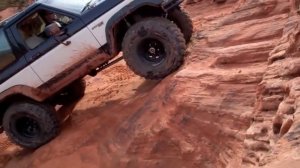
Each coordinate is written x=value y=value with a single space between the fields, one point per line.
x=4 y=105
x=120 y=29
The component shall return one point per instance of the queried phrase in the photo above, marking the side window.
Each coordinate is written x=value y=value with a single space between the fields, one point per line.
x=40 y=26
x=6 y=55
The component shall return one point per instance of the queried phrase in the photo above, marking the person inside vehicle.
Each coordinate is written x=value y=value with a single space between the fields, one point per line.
x=48 y=17
x=53 y=27
x=54 y=22
x=30 y=28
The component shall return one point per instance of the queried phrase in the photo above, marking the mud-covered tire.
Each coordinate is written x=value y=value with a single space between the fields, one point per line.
x=183 y=21
x=30 y=125
x=154 y=48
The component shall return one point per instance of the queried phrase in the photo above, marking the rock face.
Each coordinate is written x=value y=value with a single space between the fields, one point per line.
x=278 y=101
x=10 y=7
x=8 y=12
x=233 y=104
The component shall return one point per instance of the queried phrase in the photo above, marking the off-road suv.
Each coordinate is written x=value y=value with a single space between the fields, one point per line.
x=50 y=46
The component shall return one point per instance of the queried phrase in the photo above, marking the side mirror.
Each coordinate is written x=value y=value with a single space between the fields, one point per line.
x=53 y=29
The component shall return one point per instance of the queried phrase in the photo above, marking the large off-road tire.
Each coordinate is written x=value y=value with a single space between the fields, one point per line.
x=183 y=21
x=30 y=125
x=73 y=92
x=154 y=48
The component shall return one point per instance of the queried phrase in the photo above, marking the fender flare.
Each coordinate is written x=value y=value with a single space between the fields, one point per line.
x=26 y=91
x=117 y=17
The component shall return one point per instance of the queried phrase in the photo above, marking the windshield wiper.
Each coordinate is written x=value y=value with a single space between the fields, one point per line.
x=87 y=5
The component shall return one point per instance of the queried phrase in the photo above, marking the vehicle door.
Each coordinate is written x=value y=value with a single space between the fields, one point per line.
x=55 y=40
x=14 y=69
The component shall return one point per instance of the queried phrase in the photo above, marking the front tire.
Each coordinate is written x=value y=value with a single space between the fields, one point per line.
x=30 y=125
x=154 y=48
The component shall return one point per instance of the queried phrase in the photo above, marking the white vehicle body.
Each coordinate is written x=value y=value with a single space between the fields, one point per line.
x=58 y=59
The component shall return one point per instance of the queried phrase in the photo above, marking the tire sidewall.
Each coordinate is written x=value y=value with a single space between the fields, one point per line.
x=183 y=21
x=39 y=113
x=158 y=32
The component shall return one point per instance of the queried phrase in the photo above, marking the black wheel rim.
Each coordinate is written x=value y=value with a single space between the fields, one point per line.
x=152 y=50
x=27 y=127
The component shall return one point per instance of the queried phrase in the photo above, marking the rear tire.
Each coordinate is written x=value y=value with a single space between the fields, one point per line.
x=154 y=48
x=183 y=21
x=30 y=125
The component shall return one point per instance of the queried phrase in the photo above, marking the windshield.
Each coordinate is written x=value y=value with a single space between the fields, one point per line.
x=74 y=6
x=6 y=54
